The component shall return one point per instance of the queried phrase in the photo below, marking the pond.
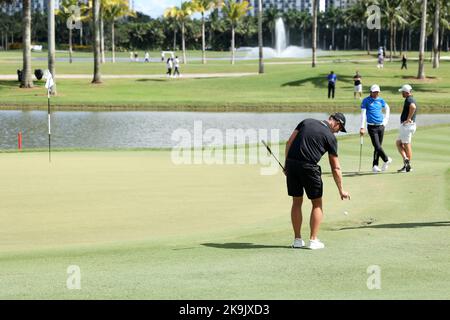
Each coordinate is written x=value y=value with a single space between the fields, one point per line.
x=145 y=129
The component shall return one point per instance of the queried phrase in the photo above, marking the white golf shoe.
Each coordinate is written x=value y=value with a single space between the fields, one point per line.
x=298 y=243
x=386 y=164
x=316 y=244
x=376 y=169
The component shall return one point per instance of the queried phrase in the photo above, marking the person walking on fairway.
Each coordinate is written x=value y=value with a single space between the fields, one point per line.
x=176 y=63
x=332 y=78
x=358 y=85
x=371 y=109
x=380 y=64
x=310 y=140
x=169 y=64
x=147 y=57
x=404 y=63
x=407 y=127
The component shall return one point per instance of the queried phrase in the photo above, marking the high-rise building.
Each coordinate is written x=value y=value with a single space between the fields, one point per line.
x=16 y=6
x=341 y=4
x=285 y=5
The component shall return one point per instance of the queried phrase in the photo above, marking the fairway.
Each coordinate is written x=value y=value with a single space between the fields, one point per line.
x=140 y=227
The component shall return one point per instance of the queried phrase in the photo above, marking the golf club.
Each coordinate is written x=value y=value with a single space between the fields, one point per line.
x=360 y=152
x=270 y=151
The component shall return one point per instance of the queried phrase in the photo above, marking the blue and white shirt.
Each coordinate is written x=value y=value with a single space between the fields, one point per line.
x=372 y=110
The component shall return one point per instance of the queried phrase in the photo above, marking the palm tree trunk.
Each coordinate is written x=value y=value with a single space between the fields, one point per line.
x=232 y=43
x=27 y=80
x=409 y=38
x=102 y=37
x=203 y=40
x=70 y=45
x=183 y=44
x=379 y=38
x=175 y=39
x=96 y=42
x=436 y=35
x=332 y=37
x=314 y=34
x=402 y=45
x=113 y=46
x=395 y=38
x=368 y=42
x=81 y=33
x=303 y=37
x=391 y=41
x=260 y=38
x=362 y=37
x=51 y=41
x=421 y=72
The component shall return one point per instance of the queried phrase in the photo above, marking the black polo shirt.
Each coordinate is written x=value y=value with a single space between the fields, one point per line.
x=314 y=138
x=405 y=111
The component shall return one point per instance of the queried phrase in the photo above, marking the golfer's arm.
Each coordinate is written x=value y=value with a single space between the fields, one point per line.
x=289 y=143
x=336 y=171
x=412 y=109
x=363 y=118
x=387 y=114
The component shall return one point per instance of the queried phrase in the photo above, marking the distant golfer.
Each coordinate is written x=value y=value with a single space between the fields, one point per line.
x=380 y=64
x=332 y=78
x=407 y=127
x=147 y=57
x=371 y=109
x=404 y=63
x=307 y=144
x=169 y=65
x=358 y=85
x=162 y=56
x=176 y=63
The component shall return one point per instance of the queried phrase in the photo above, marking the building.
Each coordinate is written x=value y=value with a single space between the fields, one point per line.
x=341 y=4
x=16 y=6
x=285 y=5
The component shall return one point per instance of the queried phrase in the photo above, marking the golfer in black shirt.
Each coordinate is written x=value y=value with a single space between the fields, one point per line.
x=307 y=144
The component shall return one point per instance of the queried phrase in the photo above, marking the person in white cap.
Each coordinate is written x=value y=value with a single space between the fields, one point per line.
x=371 y=110
x=407 y=127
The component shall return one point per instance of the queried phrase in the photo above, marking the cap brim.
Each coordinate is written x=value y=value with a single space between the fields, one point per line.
x=343 y=130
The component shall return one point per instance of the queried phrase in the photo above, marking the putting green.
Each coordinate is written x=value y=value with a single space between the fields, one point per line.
x=139 y=226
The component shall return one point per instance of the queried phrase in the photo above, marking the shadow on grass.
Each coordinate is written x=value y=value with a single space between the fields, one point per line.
x=319 y=82
x=9 y=83
x=402 y=225
x=153 y=80
x=242 y=245
x=363 y=173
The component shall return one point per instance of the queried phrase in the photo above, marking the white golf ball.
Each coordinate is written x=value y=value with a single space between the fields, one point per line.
x=346 y=213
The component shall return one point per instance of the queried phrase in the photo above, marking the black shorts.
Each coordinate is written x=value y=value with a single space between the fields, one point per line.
x=303 y=175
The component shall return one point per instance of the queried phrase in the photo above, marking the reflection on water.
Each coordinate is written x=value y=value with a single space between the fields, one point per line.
x=144 y=129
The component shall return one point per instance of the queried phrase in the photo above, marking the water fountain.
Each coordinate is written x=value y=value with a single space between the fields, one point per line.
x=281 y=49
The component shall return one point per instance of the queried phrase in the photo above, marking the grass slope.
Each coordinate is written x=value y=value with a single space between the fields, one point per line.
x=283 y=87
x=140 y=227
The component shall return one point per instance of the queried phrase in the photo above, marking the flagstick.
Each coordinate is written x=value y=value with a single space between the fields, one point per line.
x=49 y=128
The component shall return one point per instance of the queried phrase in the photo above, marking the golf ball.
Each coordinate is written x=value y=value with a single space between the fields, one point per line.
x=346 y=213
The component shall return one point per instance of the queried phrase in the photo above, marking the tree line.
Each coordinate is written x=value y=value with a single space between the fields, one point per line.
x=225 y=24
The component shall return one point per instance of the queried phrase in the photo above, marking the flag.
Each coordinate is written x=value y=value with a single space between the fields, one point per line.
x=49 y=83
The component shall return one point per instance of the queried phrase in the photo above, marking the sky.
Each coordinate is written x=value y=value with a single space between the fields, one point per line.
x=154 y=8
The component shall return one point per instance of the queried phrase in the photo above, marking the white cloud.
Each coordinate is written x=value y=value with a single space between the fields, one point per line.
x=154 y=8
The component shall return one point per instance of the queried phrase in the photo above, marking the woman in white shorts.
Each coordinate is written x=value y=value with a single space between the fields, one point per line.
x=358 y=85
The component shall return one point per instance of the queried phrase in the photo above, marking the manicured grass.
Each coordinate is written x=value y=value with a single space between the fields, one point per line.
x=283 y=87
x=139 y=226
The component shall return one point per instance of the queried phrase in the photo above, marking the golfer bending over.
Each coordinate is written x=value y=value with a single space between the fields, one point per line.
x=307 y=144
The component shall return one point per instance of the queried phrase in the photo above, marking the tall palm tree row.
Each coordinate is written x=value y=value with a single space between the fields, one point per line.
x=234 y=12
x=96 y=43
x=181 y=15
x=423 y=31
x=27 y=78
x=204 y=6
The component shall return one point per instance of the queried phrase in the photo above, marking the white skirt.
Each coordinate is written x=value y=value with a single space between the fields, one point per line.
x=358 y=88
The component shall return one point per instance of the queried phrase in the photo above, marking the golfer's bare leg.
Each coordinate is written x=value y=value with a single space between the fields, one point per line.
x=296 y=215
x=408 y=150
x=316 y=217
x=401 y=149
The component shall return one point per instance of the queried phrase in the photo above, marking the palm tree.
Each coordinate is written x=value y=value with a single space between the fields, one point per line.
x=27 y=80
x=270 y=17
x=203 y=6
x=260 y=38
x=437 y=15
x=170 y=15
x=314 y=33
x=332 y=18
x=304 y=20
x=51 y=41
x=423 y=30
x=96 y=42
x=113 y=10
x=65 y=12
x=394 y=16
x=291 y=19
x=234 y=11
x=181 y=15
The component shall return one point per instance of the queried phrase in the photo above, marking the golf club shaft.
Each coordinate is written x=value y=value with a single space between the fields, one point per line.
x=270 y=151
x=360 y=152
x=49 y=131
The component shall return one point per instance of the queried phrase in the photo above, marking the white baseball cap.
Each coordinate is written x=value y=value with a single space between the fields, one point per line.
x=375 y=88
x=405 y=88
